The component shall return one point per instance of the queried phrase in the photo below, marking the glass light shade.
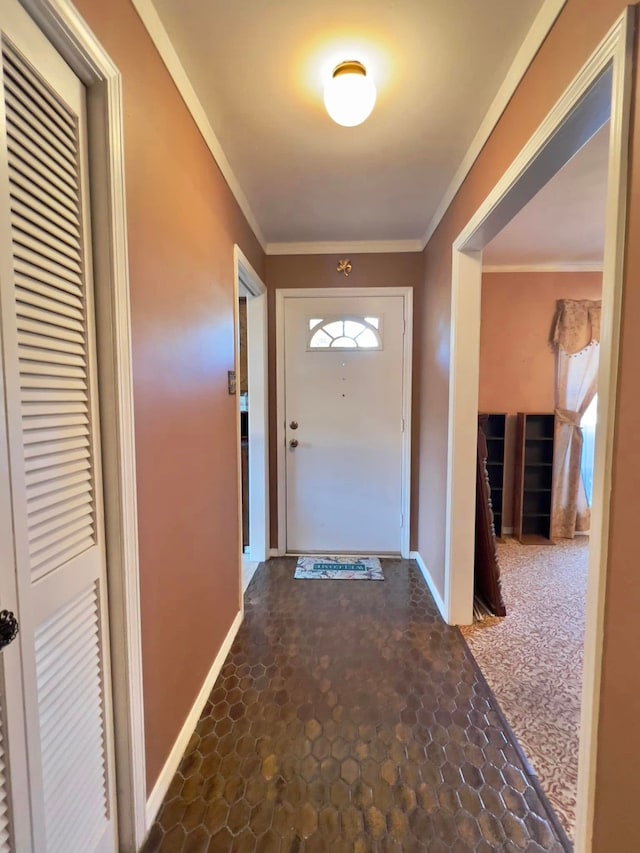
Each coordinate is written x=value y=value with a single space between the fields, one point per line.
x=350 y=95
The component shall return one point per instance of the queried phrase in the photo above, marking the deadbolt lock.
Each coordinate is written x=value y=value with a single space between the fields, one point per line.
x=293 y=425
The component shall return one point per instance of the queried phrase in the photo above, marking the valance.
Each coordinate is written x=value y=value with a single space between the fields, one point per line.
x=576 y=324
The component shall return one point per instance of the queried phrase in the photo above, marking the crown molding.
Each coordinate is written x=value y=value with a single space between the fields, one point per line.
x=165 y=48
x=552 y=266
x=345 y=247
x=538 y=32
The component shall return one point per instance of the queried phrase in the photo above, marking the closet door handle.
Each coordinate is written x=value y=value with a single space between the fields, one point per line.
x=8 y=628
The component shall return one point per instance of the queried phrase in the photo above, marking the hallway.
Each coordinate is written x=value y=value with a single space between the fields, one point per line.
x=348 y=717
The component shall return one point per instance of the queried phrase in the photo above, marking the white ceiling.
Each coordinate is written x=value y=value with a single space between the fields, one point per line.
x=258 y=66
x=564 y=223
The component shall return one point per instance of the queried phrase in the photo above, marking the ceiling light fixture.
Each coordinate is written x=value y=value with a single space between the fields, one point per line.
x=349 y=95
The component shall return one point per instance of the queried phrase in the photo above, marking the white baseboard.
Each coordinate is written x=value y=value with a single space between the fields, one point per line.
x=171 y=765
x=275 y=552
x=426 y=574
x=249 y=568
x=507 y=531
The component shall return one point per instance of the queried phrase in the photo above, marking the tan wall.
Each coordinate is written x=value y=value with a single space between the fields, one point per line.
x=182 y=223
x=517 y=365
x=577 y=32
x=368 y=270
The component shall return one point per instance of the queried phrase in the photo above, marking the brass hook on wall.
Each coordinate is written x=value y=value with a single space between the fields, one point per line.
x=344 y=266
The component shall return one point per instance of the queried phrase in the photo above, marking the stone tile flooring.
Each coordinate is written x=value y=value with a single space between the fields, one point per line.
x=348 y=717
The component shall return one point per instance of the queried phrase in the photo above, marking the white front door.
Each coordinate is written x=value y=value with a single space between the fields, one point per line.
x=57 y=670
x=344 y=358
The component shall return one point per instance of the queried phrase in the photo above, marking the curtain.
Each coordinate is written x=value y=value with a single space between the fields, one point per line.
x=576 y=339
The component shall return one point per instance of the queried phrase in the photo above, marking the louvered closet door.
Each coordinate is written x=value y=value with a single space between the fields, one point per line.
x=53 y=440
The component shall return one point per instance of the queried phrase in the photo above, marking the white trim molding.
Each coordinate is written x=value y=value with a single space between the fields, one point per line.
x=601 y=91
x=330 y=292
x=71 y=36
x=177 y=751
x=248 y=283
x=462 y=437
x=552 y=267
x=345 y=247
x=539 y=30
x=156 y=29
x=249 y=568
x=433 y=589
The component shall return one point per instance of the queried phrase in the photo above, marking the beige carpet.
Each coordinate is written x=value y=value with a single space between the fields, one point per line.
x=532 y=659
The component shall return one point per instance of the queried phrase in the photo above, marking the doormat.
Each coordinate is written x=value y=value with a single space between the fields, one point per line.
x=339 y=568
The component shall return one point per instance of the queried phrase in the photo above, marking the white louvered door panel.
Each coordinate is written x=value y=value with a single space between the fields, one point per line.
x=6 y=840
x=53 y=441
x=15 y=828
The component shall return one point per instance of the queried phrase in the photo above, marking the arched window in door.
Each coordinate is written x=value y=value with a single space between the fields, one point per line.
x=345 y=333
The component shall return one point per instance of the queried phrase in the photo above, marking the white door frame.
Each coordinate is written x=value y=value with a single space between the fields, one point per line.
x=312 y=292
x=73 y=39
x=550 y=147
x=248 y=283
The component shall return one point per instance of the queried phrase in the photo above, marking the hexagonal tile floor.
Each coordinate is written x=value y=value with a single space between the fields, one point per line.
x=348 y=717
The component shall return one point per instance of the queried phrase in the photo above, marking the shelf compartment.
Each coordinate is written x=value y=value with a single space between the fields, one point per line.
x=540 y=426
x=494 y=426
x=538 y=452
x=536 y=503
x=536 y=526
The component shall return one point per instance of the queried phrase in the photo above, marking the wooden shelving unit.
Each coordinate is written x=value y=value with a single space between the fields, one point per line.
x=533 y=477
x=494 y=429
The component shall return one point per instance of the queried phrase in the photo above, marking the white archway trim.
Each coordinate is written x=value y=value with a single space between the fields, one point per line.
x=596 y=266
x=611 y=63
x=71 y=36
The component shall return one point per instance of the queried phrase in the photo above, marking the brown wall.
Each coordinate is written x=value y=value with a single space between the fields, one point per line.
x=368 y=270
x=577 y=32
x=517 y=365
x=182 y=223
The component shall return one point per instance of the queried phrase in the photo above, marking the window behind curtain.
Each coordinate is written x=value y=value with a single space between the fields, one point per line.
x=588 y=426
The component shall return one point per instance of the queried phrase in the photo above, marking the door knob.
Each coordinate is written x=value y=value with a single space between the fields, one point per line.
x=8 y=628
x=293 y=443
x=293 y=425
